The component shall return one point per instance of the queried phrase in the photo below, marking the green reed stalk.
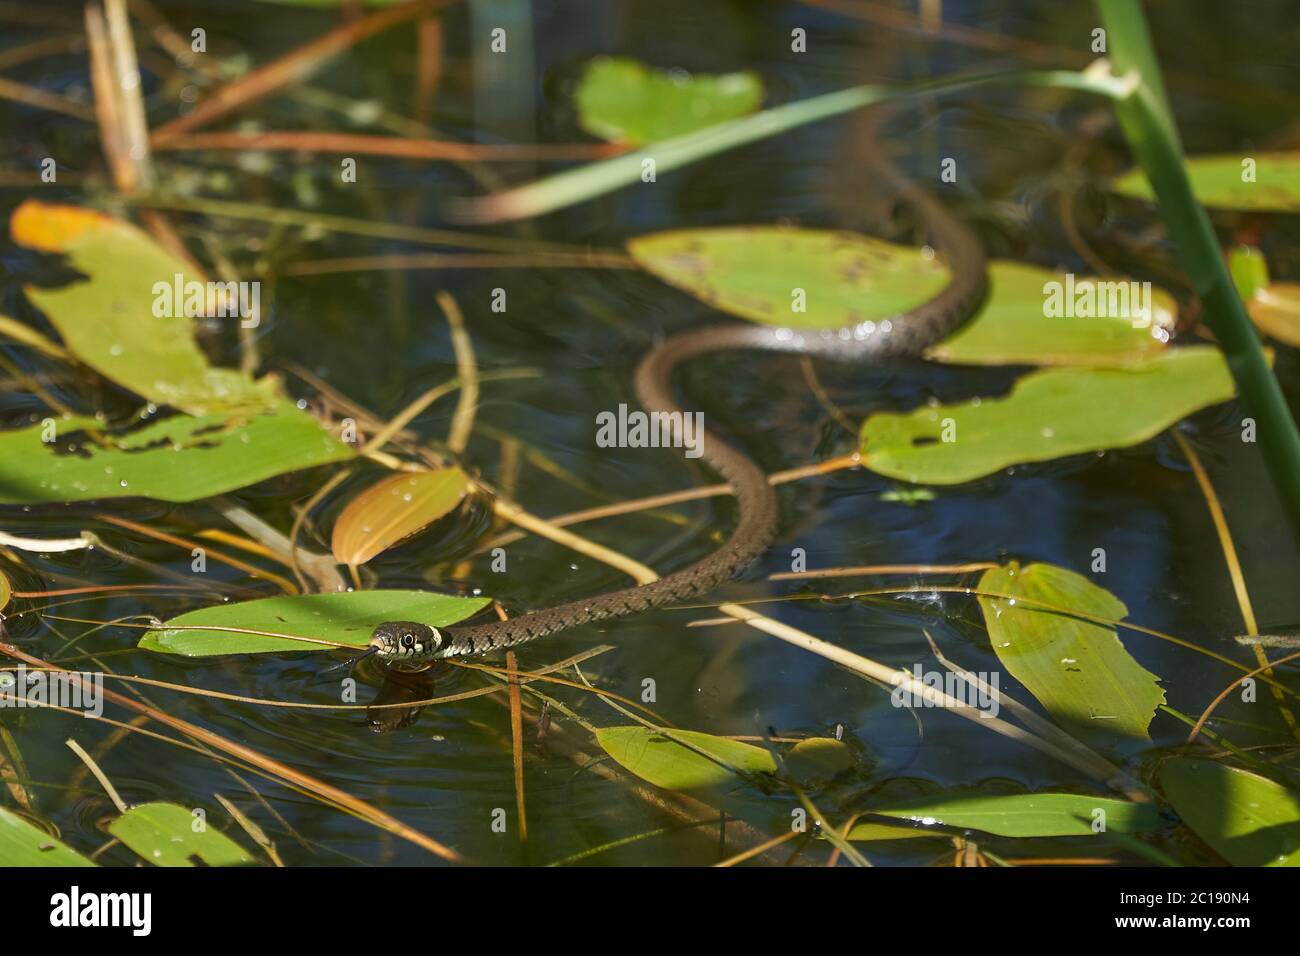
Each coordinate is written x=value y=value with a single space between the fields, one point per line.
x=1148 y=124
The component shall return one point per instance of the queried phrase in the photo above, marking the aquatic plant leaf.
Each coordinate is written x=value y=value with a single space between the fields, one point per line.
x=1219 y=180
x=1079 y=671
x=1249 y=820
x=801 y=278
x=1249 y=270
x=666 y=763
x=165 y=835
x=1025 y=814
x=817 y=759
x=1013 y=327
x=24 y=844
x=392 y=510
x=625 y=101
x=1275 y=310
x=6 y=592
x=346 y=617
x=107 y=320
x=182 y=458
x=1051 y=413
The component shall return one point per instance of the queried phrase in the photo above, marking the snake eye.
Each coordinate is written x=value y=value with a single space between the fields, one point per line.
x=408 y=640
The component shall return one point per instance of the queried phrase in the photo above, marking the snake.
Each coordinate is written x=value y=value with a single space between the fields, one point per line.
x=905 y=335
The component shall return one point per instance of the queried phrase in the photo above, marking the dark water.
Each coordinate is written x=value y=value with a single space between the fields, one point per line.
x=379 y=338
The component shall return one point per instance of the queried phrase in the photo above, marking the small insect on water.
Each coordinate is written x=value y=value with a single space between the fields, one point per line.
x=405 y=640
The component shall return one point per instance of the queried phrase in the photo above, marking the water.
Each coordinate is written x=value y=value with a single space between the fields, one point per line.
x=378 y=338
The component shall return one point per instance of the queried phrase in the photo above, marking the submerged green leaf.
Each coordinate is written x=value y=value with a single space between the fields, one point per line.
x=1026 y=814
x=1256 y=181
x=623 y=100
x=1049 y=414
x=1248 y=819
x=346 y=618
x=802 y=278
x=169 y=835
x=1078 y=671
x=182 y=458
x=666 y=763
x=22 y=844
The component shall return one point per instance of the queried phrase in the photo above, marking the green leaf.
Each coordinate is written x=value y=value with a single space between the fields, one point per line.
x=758 y=273
x=1249 y=270
x=818 y=759
x=1013 y=327
x=22 y=844
x=1049 y=414
x=108 y=319
x=665 y=763
x=1217 y=180
x=1248 y=819
x=1078 y=671
x=623 y=100
x=347 y=618
x=163 y=834
x=181 y=458
x=1026 y=814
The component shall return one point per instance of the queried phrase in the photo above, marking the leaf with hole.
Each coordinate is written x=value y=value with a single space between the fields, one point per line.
x=181 y=458
x=345 y=618
x=393 y=509
x=1078 y=670
x=691 y=761
x=23 y=844
x=1050 y=413
x=165 y=834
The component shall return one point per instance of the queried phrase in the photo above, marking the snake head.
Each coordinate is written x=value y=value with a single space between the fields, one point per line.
x=404 y=640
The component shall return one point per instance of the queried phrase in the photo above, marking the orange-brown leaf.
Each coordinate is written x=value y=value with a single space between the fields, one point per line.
x=392 y=510
x=49 y=227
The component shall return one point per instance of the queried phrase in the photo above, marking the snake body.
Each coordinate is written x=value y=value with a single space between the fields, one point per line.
x=901 y=336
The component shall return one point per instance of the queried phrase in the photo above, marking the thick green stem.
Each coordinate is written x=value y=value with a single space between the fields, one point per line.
x=1148 y=125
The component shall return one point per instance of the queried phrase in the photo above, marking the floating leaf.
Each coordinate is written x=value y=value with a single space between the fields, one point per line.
x=1221 y=181
x=181 y=458
x=1026 y=814
x=1049 y=414
x=868 y=831
x=347 y=618
x=1014 y=327
x=6 y=592
x=818 y=759
x=165 y=835
x=108 y=319
x=1248 y=819
x=22 y=844
x=392 y=510
x=1275 y=310
x=1249 y=270
x=622 y=100
x=665 y=763
x=766 y=273
x=1080 y=672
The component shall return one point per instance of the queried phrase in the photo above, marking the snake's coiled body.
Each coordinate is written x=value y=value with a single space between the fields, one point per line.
x=900 y=336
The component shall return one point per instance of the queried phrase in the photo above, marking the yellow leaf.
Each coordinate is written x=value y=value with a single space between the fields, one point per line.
x=50 y=227
x=392 y=510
